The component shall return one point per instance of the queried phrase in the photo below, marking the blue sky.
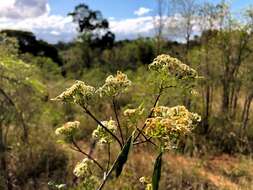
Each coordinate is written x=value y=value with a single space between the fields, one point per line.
x=122 y=9
x=48 y=18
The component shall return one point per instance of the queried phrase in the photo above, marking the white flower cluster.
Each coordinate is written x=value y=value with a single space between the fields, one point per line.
x=68 y=129
x=172 y=66
x=102 y=135
x=133 y=115
x=169 y=124
x=114 y=85
x=83 y=169
x=146 y=182
x=79 y=93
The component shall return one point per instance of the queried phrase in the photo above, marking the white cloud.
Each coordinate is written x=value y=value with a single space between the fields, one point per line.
x=55 y=33
x=34 y=16
x=142 y=11
x=111 y=18
x=132 y=28
x=146 y=26
x=17 y=9
x=5 y=4
x=48 y=27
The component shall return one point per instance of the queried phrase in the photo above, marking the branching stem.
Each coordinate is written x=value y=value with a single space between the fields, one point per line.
x=117 y=118
x=162 y=88
x=78 y=149
x=104 y=127
x=142 y=142
x=106 y=176
x=150 y=114
x=146 y=138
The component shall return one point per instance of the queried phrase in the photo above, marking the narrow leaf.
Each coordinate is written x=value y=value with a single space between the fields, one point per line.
x=157 y=172
x=122 y=157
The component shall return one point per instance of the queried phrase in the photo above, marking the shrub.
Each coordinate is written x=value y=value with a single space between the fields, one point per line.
x=163 y=127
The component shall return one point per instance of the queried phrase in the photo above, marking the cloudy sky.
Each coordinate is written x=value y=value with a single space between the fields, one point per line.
x=48 y=20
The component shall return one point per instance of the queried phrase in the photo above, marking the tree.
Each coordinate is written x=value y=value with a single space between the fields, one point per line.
x=92 y=26
x=17 y=81
x=187 y=10
x=29 y=44
x=159 y=23
x=208 y=14
x=234 y=43
x=247 y=70
x=87 y=19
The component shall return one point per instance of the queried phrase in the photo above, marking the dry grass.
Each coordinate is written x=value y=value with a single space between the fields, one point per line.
x=222 y=172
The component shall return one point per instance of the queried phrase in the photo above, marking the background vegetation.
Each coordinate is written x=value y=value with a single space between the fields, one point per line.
x=217 y=156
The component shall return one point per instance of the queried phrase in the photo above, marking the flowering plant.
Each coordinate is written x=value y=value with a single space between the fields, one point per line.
x=163 y=127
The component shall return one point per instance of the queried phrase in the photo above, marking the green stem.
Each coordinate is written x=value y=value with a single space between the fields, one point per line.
x=109 y=158
x=146 y=138
x=150 y=114
x=142 y=142
x=104 y=127
x=117 y=118
x=84 y=153
x=107 y=176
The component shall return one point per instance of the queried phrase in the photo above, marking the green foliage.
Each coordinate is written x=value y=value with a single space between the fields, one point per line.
x=49 y=69
x=171 y=123
x=87 y=19
x=157 y=172
x=113 y=108
x=18 y=79
x=123 y=156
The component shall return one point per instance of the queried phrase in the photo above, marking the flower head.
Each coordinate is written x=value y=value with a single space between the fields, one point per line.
x=133 y=115
x=68 y=129
x=169 y=124
x=172 y=66
x=115 y=85
x=83 y=169
x=146 y=182
x=102 y=135
x=78 y=93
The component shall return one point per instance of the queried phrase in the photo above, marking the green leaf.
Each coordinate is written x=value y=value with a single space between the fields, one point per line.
x=157 y=172
x=123 y=156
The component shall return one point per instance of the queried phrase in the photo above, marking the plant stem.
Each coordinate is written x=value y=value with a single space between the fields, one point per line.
x=150 y=114
x=142 y=142
x=109 y=158
x=117 y=118
x=146 y=138
x=106 y=177
x=113 y=166
x=104 y=127
x=84 y=153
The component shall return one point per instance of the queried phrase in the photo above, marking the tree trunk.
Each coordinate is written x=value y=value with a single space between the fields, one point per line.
x=207 y=110
x=3 y=168
x=208 y=89
x=247 y=112
x=225 y=98
x=234 y=102
x=244 y=108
